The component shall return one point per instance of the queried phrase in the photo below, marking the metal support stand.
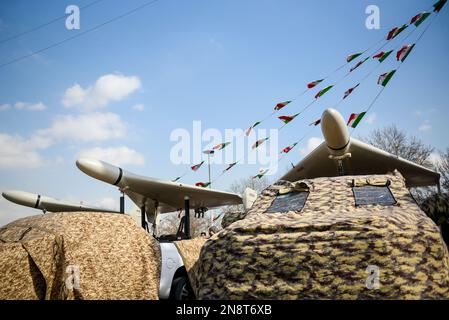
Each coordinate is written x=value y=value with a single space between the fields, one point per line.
x=187 y=217
x=143 y=217
x=122 y=203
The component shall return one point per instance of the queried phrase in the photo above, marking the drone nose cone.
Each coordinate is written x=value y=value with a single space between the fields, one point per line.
x=20 y=197
x=100 y=170
x=334 y=129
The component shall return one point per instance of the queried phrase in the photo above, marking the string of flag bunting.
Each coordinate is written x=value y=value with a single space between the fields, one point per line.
x=402 y=53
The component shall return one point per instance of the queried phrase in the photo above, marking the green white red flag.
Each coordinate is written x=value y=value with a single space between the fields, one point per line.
x=402 y=54
x=313 y=84
x=250 y=129
x=315 y=123
x=385 y=78
x=396 y=31
x=419 y=18
x=281 y=105
x=353 y=56
x=355 y=119
x=230 y=166
x=197 y=166
x=358 y=64
x=349 y=91
x=382 y=55
x=202 y=184
x=322 y=92
x=258 y=143
x=221 y=146
x=289 y=148
x=288 y=119
x=261 y=173
x=439 y=5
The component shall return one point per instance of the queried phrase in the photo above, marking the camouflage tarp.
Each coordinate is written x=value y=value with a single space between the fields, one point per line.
x=331 y=249
x=190 y=251
x=79 y=255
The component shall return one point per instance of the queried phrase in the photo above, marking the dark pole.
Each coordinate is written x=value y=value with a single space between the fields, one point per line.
x=142 y=219
x=187 y=216
x=208 y=164
x=122 y=203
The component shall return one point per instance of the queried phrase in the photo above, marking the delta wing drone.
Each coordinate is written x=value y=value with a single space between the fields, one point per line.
x=340 y=154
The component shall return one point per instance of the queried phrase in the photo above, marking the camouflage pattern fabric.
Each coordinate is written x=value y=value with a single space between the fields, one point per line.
x=231 y=217
x=331 y=249
x=190 y=251
x=437 y=208
x=82 y=255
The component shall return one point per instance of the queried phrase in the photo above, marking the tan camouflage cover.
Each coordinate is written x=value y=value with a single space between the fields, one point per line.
x=40 y=257
x=329 y=250
x=190 y=251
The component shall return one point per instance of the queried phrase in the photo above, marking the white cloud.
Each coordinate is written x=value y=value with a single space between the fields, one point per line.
x=30 y=106
x=86 y=127
x=312 y=144
x=425 y=126
x=17 y=152
x=108 y=203
x=4 y=107
x=39 y=106
x=435 y=158
x=110 y=87
x=138 y=107
x=371 y=118
x=118 y=156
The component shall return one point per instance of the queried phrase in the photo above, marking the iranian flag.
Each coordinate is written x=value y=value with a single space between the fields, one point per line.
x=358 y=64
x=250 y=129
x=289 y=148
x=288 y=119
x=313 y=84
x=322 y=92
x=261 y=173
x=315 y=123
x=197 y=166
x=355 y=119
x=202 y=184
x=396 y=31
x=382 y=55
x=404 y=52
x=279 y=106
x=419 y=18
x=221 y=146
x=353 y=56
x=347 y=93
x=230 y=166
x=439 y=5
x=385 y=78
x=258 y=143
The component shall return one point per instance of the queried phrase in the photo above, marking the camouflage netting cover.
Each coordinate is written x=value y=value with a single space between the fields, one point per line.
x=437 y=208
x=116 y=258
x=324 y=251
x=190 y=251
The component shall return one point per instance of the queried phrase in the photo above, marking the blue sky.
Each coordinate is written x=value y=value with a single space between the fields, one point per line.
x=121 y=90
